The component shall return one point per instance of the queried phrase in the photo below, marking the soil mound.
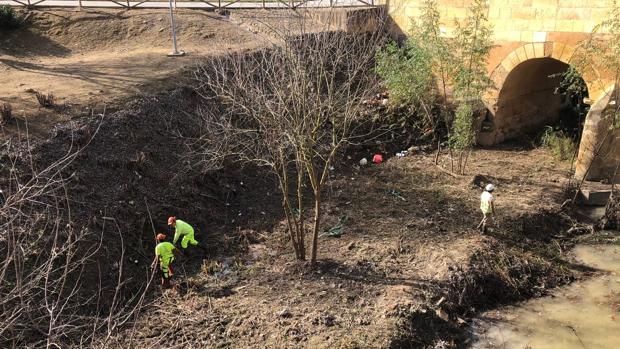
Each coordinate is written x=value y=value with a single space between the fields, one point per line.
x=119 y=171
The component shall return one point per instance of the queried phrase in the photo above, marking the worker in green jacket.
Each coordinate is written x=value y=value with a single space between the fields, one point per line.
x=164 y=253
x=181 y=228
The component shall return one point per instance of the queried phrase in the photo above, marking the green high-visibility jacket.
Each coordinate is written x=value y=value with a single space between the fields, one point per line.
x=182 y=228
x=163 y=250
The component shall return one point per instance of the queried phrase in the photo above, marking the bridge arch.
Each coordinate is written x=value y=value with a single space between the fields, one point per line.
x=524 y=97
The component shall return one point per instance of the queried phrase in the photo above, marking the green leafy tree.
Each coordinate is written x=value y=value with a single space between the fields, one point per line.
x=419 y=71
x=472 y=45
x=427 y=33
x=406 y=73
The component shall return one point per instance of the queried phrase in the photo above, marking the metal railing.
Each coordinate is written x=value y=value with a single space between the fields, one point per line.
x=205 y=4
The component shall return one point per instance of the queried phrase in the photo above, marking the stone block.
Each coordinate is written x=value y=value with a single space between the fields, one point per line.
x=508 y=64
x=521 y=55
x=510 y=35
x=595 y=197
x=573 y=13
x=494 y=13
x=600 y=4
x=578 y=26
x=539 y=49
x=514 y=58
x=599 y=15
x=520 y=24
x=545 y=3
x=540 y=37
x=451 y=3
x=558 y=50
x=529 y=51
x=546 y=13
x=523 y=13
x=547 y=25
x=527 y=36
x=548 y=49
x=505 y=13
x=564 y=25
x=573 y=3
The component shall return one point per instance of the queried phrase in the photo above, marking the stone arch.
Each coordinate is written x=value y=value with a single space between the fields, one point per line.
x=548 y=53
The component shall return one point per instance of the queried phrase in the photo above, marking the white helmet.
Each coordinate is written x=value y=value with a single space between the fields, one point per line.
x=489 y=187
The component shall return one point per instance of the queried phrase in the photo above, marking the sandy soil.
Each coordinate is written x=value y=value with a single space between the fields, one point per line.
x=96 y=57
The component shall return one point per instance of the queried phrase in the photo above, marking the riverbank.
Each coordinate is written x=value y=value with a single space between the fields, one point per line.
x=582 y=315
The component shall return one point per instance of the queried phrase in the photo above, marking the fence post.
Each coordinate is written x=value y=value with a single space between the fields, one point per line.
x=174 y=52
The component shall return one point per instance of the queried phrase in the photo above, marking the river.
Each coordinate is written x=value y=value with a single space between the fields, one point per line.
x=585 y=314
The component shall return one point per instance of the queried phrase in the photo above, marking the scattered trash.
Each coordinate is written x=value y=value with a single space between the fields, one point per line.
x=336 y=230
x=395 y=193
x=363 y=162
x=377 y=159
x=402 y=154
x=440 y=301
x=331 y=168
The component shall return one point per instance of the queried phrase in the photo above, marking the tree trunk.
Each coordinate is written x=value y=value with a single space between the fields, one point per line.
x=300 y=206
x=290 y=219
x=317 y=221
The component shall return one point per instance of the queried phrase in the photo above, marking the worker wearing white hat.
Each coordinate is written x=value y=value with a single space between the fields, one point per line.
x=487 y=206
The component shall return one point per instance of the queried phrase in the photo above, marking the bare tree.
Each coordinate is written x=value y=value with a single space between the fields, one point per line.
x=290 y=108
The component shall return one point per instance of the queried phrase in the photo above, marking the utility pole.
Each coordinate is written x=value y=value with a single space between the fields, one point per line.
x=175 y=52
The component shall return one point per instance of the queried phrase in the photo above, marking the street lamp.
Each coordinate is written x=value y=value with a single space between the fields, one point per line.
x=175 y=52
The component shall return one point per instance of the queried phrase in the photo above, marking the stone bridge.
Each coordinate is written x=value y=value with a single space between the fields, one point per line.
x=535 y=39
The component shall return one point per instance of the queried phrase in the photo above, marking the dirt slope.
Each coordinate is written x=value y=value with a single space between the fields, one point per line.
x=94 y=57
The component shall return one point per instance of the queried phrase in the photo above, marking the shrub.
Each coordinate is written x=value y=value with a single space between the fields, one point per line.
x=562 y=146
x=8 y=18
x=407 y=74
x=45 y=100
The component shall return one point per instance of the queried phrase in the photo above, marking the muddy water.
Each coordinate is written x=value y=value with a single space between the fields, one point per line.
x=583 y=315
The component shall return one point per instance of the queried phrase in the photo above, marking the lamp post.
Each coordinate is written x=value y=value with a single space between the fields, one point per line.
x=174 y=52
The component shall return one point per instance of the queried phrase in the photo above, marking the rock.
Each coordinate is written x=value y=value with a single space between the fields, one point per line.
x=329 y=320
x=285 y=313
x=595 y=197
x=363 y=162
x=351 y=245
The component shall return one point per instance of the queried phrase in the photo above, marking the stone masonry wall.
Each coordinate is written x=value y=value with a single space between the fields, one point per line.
x=525 y=30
